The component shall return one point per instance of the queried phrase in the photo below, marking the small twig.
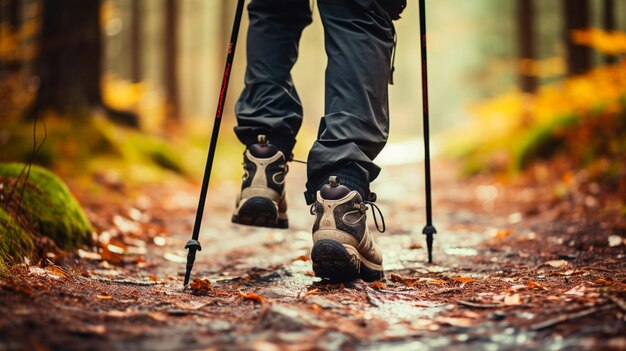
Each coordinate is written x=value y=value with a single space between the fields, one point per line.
x=478 y=305
x=570 y=316
x=124 y=281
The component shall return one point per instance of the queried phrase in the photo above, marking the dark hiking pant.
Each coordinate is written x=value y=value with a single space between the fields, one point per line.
x=359 y=39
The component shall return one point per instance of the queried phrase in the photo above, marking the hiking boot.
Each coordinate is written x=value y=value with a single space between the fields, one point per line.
x=343 y=247
x=261 y=201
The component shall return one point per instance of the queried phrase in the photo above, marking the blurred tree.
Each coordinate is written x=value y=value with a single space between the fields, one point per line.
x=608 y=19
x=70 y=60
x=576 y=14
x=171 y=60
x=526 y=46
x=136 y=34
x=15 y=10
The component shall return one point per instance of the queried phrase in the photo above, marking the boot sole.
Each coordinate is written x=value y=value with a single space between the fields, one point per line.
x=259 y=211
x=332 y=261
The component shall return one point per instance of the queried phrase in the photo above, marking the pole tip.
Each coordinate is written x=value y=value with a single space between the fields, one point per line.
x=429 y=231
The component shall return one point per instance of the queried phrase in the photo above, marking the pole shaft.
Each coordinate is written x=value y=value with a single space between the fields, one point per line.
x=218 y=119
x=194 y=245
x=422 y=10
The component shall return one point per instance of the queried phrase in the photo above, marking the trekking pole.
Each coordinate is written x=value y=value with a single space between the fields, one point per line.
x=193 y=244
x=429 y=230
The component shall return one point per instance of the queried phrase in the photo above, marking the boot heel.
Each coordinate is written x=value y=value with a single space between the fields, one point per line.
x=332 y=261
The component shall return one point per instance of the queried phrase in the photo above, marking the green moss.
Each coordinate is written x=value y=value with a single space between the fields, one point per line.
x=540 y=141
x=15 y=243
x=47 y=207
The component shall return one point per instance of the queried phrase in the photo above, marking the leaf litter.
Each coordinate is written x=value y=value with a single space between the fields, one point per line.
x=528 y=275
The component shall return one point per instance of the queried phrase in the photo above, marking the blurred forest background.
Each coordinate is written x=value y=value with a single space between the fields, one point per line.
x=129 y=84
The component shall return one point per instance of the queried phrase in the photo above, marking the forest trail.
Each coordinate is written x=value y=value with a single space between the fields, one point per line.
x=515 y=266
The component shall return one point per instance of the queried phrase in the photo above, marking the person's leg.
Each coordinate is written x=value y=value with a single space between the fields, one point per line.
x=359 y=37
x=269 y=112
x=269 y=104
x=359 y=41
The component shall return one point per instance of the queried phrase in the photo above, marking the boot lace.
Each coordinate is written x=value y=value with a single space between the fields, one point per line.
x=363 y=207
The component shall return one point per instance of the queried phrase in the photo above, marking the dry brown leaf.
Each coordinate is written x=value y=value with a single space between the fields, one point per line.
x=201 y=286
x=601 y=281
x=158 y=316
x=503 y=233
x=464 y=279
x=377 y=285
x=436 y=282
x=56 y=271
x=408 y=281
x=415 y=245
x=535 y=285
x=252 y=297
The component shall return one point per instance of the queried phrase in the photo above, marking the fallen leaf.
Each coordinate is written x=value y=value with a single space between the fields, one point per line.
x=174 y=258
x=464 y=279
x=408 y=281
x=377 y=285
x=119 y=314
x=535 y=285
x=158 y=316
x=567 y=272
x=252 y=297
x=601 y=281
x=503 y=233
x=303 y=258
x=615 y=240
x=116 y=249
x=89 y=255
x=578 y=290
x=436 y=281
x=56 y=271
x=200 y=286
x=512 y=300
x=557 y=263
x=415 y=245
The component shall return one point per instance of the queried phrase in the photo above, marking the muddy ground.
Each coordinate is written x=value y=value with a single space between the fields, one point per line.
x=534 y=263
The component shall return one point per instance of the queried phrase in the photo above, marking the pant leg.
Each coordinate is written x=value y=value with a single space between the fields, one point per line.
x=359 y=38
x=269 y=103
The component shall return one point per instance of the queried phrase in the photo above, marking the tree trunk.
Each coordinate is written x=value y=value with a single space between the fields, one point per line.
x=136 y=50
x=171 y=59
x=576 y=13
x=608 y=19
x=15 y=13
x=70 y=59
x=526 y=46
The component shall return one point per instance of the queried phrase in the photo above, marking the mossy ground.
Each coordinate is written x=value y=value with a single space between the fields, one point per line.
x=46 y=208
x=15 y=243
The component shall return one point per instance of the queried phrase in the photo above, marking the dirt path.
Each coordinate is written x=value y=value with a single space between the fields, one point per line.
x=517 y=266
